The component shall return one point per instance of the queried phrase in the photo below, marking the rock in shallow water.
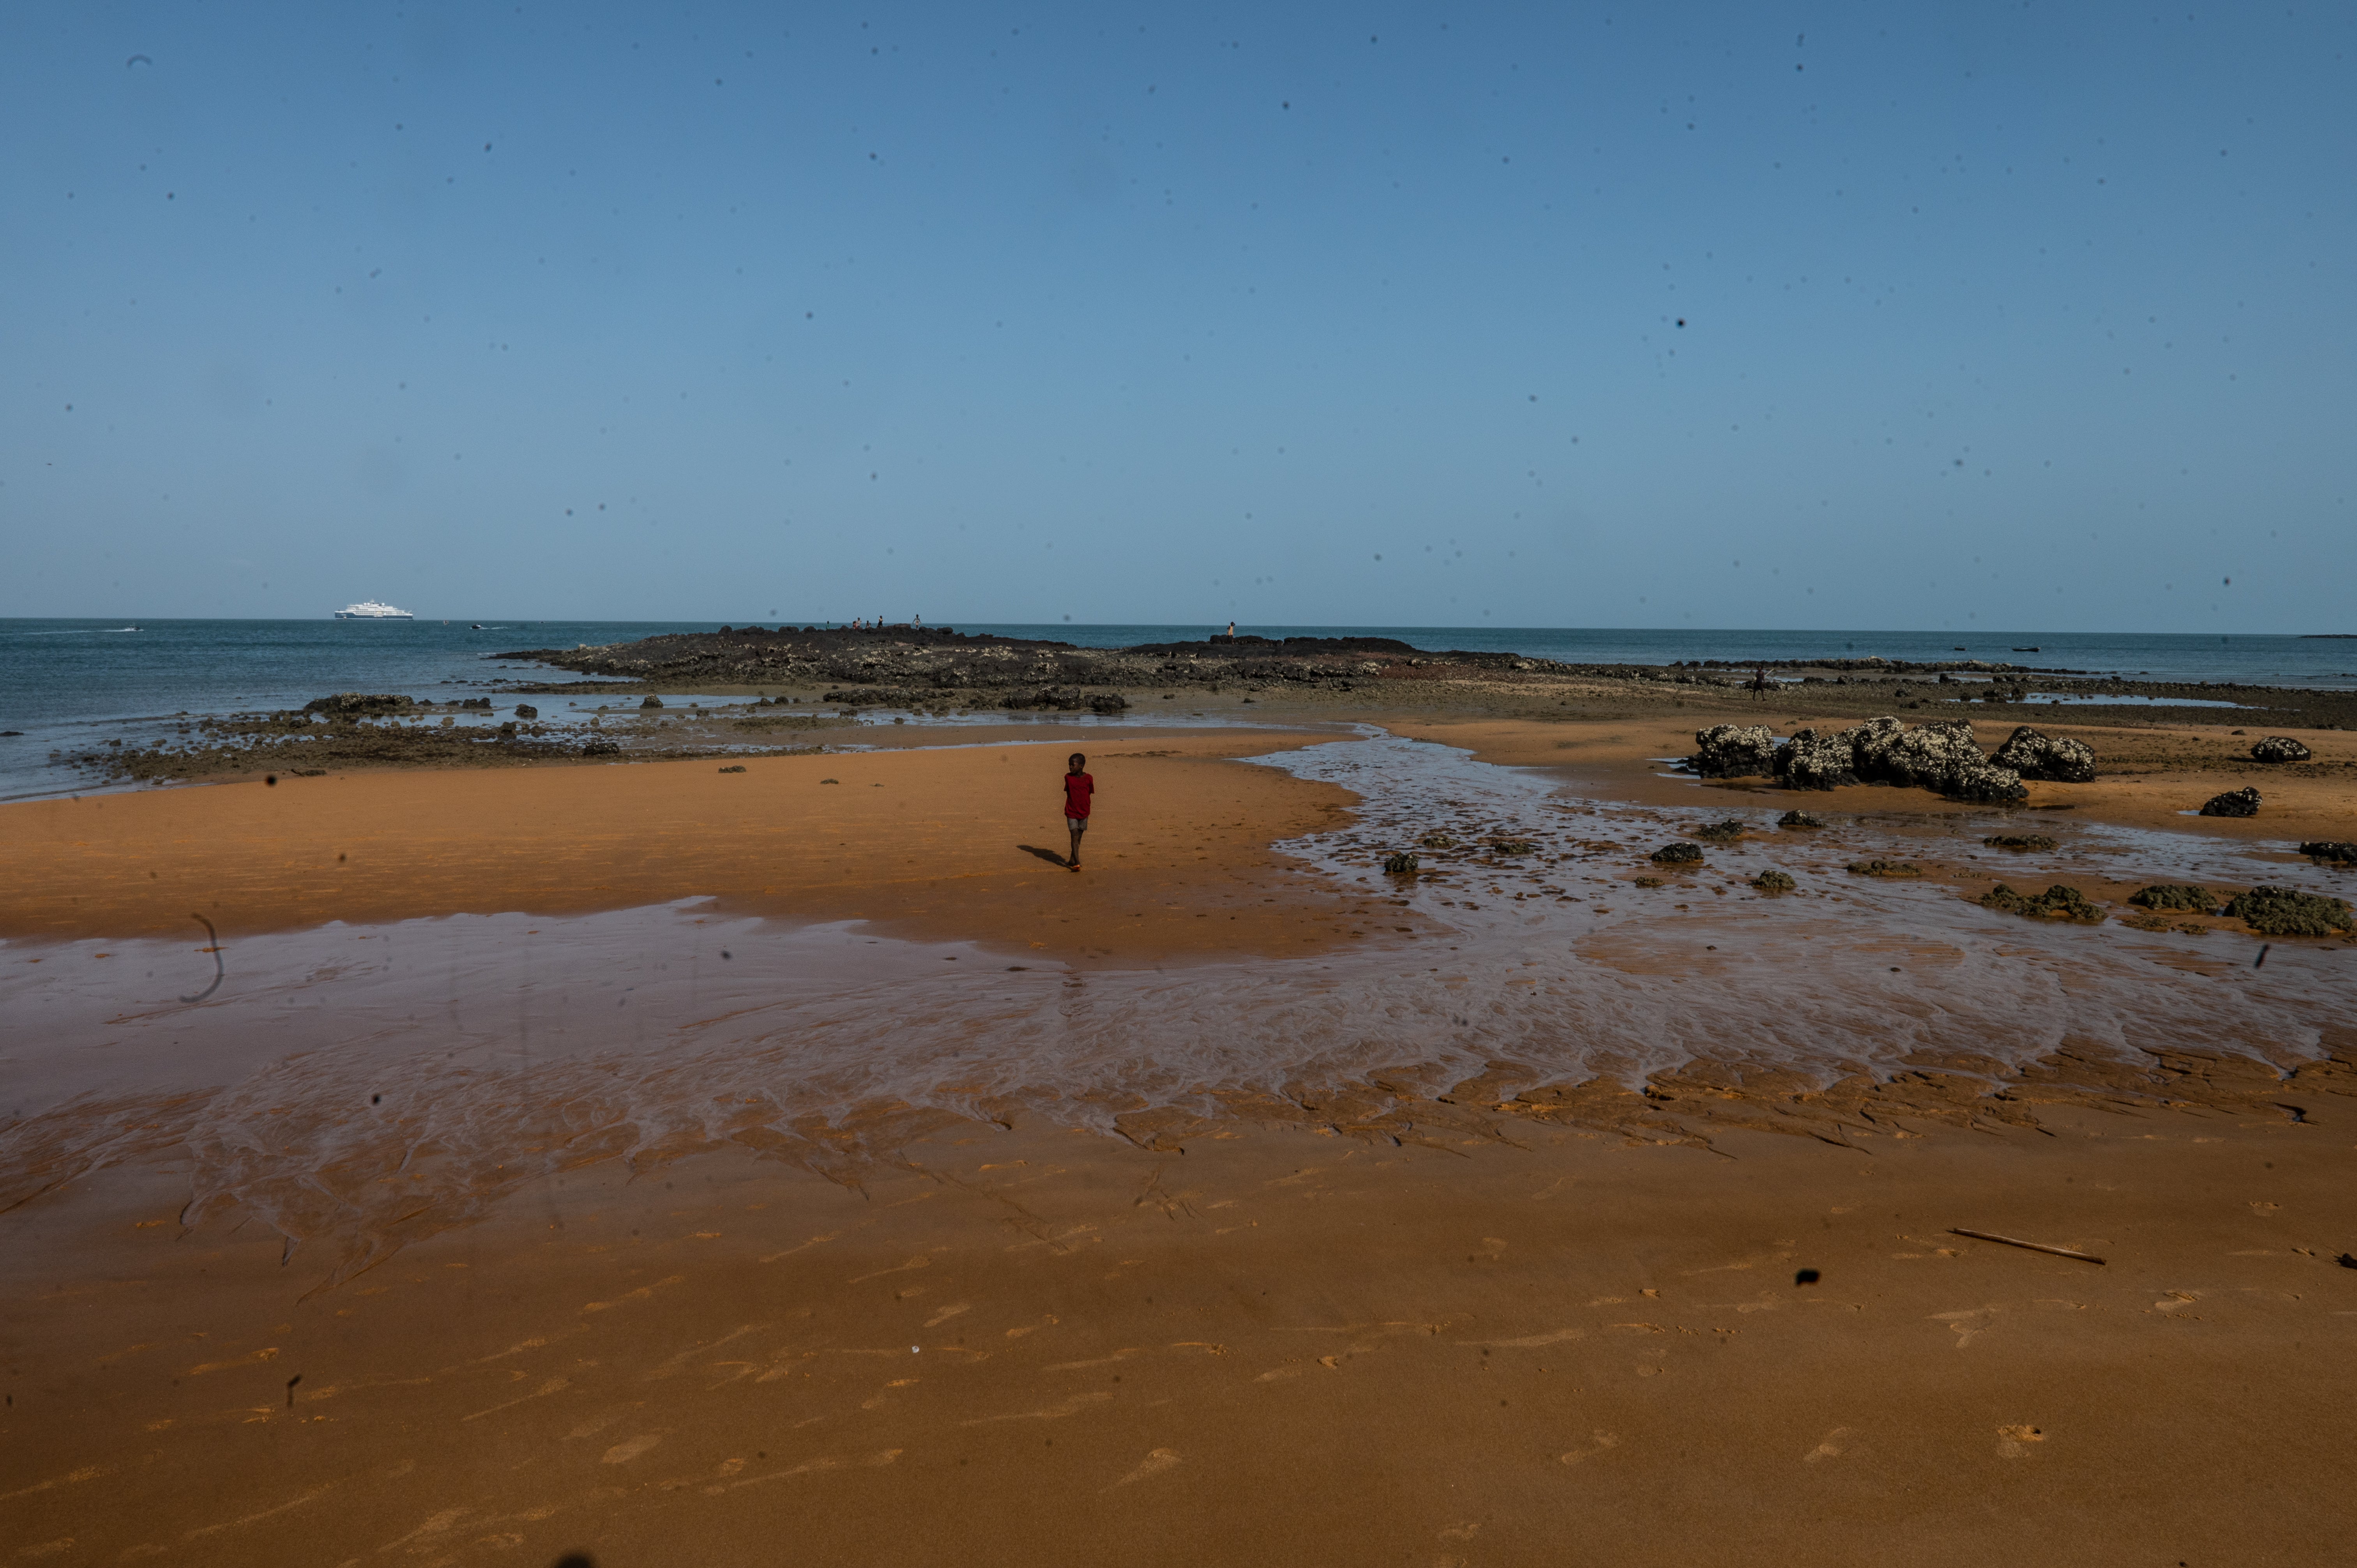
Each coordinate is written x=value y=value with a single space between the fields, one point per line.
x=2233 y=803
x=1798 y=819
x=1774 y=881
x=2175 y=896
x=2057 y=903
x=2286 y=912
x=1680 y=854
x=2331 y=850
x=2019 y=840
x=1884 y=868
x=2035 y=755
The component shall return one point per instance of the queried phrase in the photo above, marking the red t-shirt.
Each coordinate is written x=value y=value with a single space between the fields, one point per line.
x=1078 y=787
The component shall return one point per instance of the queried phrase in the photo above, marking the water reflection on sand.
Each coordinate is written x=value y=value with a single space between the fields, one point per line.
x=357 y=1087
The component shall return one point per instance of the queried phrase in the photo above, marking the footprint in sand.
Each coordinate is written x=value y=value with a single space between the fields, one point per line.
x=1600 y=1442
x=1829 y=1446
x=623 y=1452
x=2013 y=1442
x=1968 y=1326
x=1154 y=1463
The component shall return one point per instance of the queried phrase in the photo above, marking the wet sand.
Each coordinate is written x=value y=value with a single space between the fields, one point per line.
x=1039 y=1346
x=907 y=1212
x=965 y=843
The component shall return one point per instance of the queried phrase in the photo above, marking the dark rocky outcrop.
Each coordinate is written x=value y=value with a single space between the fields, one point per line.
x=2233 y=803
x=1734 y=751
x=526 y=711
x=651 y=703
x=1884 y=868
x=2036 y=755
x=2286 y=912
x=351 y=704
x=2057 y=903
x=2019 y=840
x=2336 y=850
x=1680 y=854
x=2182 y=896
x=1940 y=757
x=2279 y=748
x=1774 y=881
x=1727 y=832
x=1064 y=699
x=599 y=747
x=1798 y=819
x=1401 y=866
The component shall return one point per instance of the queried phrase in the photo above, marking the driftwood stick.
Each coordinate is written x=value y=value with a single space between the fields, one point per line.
x=2032 y=1246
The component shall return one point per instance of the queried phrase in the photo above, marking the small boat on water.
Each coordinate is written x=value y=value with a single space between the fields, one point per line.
x=372 y=609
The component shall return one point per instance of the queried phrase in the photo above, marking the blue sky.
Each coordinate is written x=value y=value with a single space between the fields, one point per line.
x=2037 y=318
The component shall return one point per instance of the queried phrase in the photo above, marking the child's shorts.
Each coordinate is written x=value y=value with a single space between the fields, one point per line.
x=1078 y=825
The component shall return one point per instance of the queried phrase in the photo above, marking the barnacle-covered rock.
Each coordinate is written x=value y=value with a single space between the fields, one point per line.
x=2056 y=760
x=2233 y=803
x=1734 y=751
x=2279 y=748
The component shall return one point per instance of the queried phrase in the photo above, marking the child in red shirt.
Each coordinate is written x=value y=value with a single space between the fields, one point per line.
x=1078 y=787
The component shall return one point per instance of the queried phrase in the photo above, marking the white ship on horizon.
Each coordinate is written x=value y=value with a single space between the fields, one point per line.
x=372 y=609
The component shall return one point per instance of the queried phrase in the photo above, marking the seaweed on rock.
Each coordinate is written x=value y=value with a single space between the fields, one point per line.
x=2286 y=912
x=2057 y=903
x=2175 y=896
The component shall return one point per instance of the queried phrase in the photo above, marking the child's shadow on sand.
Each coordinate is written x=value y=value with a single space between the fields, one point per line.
x=1049 y=855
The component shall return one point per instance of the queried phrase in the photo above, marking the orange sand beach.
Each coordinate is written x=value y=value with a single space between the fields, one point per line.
x=658 y=1164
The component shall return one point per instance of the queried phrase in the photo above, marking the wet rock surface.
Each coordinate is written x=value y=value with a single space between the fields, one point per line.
x=2019 y=840
x=2244 y=802
x=2337 y=851
x=1798 y=819
x=2175 y=896
x=1880 y=867
x=1774 y=881
x=2057 y=903
x=1679 y=853
x=2288 y=912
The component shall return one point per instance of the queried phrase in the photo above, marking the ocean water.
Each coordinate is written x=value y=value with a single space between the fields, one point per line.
x=68 y=685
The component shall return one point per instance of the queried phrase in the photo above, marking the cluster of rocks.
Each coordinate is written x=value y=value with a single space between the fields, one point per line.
x=1940 y=757
x=2337 y=850
x=353 y=704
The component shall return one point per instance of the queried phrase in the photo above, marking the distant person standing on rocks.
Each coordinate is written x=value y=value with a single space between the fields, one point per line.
x=1077 y=788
